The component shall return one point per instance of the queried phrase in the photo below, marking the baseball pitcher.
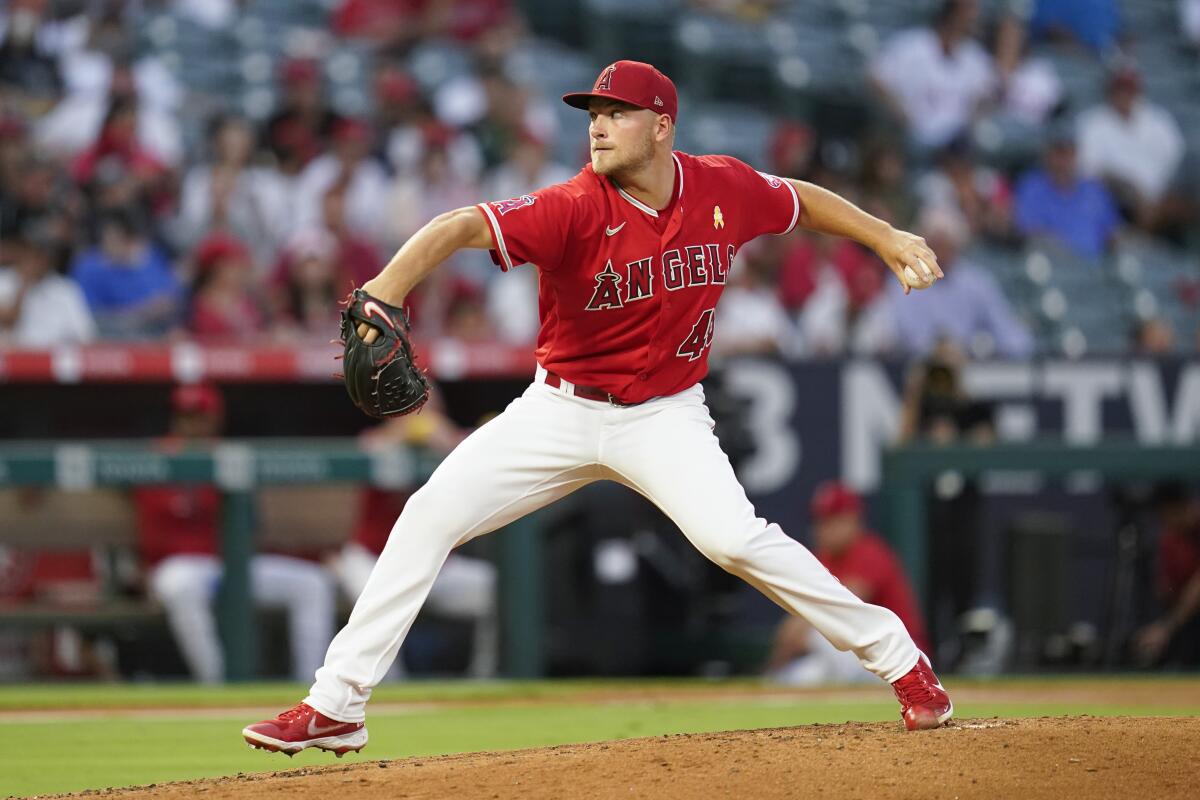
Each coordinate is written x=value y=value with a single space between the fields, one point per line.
x=632 y=256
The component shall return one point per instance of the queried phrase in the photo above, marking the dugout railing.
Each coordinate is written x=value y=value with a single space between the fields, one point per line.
x=907 y=472
x=241 y=468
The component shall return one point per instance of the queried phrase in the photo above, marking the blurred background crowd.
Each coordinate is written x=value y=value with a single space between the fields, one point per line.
x=224 y=170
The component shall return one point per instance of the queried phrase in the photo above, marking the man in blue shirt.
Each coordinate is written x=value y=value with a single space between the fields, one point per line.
x=1055 y=200
x=1094 y=23
x=128 y=282
x=968 y=308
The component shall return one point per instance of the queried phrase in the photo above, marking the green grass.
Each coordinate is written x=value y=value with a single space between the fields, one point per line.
x=60 y=755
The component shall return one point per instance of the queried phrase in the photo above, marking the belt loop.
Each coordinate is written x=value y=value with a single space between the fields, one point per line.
x=539 y=375
x=567 y=387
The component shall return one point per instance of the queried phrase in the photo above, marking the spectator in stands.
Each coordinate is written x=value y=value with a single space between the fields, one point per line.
x=434 y=188
x=178 y=533
x=358 y=258
x=509 y=112
x=529 y=167
x=1031 y=90
x=750 y=317
x=1189 y=21
x=39 y=307
x=960 y=184
x=28 y=61
x=305 y=291
x=937 y=79
x=397 y=24
x=466 y=317
x=829 y=284
x=116 y=170
x=104 y=76
x=1054 y=200
x=101 y=56
x=835 y=319
x=885 y=183
x=793 y=149
x=1174 y=638
x=466 y=588
x=350 y=167
x=968 y=308
x=867 y=566
x=224 y=307
x=15 y=151
x=1153 y=337
x=230 y=193
x=299 y=131
x=403 y=115
x=35 y=194
x=1133 y=144
x=1095 y=24
x=129 y=284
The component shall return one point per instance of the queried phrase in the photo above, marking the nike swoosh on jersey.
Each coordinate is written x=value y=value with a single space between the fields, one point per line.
x=313 y=730
x=610 y=231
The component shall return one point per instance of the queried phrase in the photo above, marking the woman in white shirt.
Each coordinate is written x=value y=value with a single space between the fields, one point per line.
x=38 y=307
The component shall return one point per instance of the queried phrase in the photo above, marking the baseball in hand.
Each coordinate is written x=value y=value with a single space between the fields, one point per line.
x=919 y=281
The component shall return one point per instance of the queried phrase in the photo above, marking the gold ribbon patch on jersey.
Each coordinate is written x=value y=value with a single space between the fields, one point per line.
x=718 y=218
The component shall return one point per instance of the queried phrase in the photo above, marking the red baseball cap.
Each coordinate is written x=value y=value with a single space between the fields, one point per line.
x=201 y=398
x=218 y=247
x=832 y=498
x=633 y=82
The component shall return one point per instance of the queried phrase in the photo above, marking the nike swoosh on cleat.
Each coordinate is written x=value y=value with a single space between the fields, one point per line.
x=313 y=730
x=610 y=231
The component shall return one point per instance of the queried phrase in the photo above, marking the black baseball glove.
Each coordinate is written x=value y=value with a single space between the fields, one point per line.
x=381 y=376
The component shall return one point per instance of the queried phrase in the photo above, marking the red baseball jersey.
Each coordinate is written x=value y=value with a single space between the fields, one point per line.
x=627 y=293
x=870 y=561
x=173 y=520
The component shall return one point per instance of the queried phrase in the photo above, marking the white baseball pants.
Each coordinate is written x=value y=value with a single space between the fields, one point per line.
x=186 y=585
x=548 y=443
x=465 y=589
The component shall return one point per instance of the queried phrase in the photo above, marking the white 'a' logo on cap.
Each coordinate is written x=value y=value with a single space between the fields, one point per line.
x=657 y=100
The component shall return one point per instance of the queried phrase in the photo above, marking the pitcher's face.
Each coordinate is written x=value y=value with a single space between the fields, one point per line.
x=622 y=136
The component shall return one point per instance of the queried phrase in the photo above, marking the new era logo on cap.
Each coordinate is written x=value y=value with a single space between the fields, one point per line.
x=633 y=82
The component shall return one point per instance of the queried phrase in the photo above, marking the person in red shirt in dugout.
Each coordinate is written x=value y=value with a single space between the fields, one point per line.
x=867 y=566
x=178 y=535
x=1173 y=639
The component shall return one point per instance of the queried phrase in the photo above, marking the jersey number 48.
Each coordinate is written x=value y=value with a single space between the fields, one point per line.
x=696 y=342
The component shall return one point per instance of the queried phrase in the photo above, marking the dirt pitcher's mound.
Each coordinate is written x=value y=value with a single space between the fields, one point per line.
x=1062 y=757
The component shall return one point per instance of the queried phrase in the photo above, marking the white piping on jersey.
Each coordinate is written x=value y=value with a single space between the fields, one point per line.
x=796 y=200
x=679 y=166
x=642 y=206
x=495 y=225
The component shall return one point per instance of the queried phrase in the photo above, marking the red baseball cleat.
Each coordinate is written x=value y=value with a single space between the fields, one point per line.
x=924 y=703
x=302 y=727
